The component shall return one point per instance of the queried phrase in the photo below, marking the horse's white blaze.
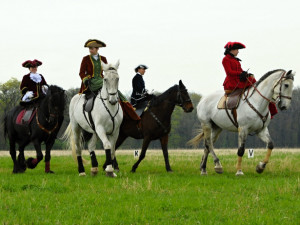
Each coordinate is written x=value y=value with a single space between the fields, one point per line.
x=102 y=120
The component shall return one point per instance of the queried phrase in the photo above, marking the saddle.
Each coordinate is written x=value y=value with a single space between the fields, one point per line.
x=231 y=99
x=25 y=116
x=89 y=101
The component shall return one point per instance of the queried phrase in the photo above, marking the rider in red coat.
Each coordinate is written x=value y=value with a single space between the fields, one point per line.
x=236 y=78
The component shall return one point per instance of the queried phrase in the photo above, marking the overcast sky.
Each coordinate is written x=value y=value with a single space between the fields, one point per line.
x=176 y=39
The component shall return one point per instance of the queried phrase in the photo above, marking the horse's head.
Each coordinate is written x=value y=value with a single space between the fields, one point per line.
x=283 y=90
x=183 y=98
x=110 y=82
x=56 y=100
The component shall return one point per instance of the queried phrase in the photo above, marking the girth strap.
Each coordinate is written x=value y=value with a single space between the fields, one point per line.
x=234 y=120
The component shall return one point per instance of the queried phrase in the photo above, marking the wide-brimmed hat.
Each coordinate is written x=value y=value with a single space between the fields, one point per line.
x=94 y=43
x=234 y=45
x=33 y=63
x=141 y=66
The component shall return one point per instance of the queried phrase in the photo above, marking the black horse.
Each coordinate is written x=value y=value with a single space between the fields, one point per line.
x=155 y=122
x=43 y=128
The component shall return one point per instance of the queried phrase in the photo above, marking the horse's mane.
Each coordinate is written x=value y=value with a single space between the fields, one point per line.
x=266 y=76
x=160 y=98
x=61 y=97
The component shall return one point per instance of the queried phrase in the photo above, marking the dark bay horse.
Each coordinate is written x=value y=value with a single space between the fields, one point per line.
x=155 y=122
x=43 y=128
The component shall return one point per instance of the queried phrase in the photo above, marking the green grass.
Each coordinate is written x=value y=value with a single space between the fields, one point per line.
x=153 y=196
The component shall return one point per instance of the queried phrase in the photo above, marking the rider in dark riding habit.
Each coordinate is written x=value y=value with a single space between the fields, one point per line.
x=236 y=77
x=139 y=93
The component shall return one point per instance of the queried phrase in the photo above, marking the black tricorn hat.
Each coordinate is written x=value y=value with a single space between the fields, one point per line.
x=33 y=63
x=141 y=66
x=94 y=43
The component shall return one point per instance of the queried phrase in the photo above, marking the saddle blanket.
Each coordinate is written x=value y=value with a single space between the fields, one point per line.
x=20 y=116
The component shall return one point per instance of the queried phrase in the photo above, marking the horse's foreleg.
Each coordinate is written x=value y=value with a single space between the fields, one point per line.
x=143 y=153
x=48 y=156
x=164 y=146
x=92 y=147
x=243 y=132
x=108 y=153
x=32 y=162
x=21 y=159
x=265 y=137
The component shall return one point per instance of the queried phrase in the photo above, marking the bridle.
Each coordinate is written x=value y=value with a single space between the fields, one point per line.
x=180 y=102
x=274 y=100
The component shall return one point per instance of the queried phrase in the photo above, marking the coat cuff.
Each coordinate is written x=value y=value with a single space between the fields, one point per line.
x=86 y=77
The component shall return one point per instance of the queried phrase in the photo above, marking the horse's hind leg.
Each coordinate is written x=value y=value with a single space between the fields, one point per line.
x=164 y=146
x=210 y=136
x=265 y=137
x=92 y=147
x=142 y=155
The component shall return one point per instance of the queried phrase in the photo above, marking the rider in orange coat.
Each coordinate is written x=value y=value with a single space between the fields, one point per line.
x=236 y=77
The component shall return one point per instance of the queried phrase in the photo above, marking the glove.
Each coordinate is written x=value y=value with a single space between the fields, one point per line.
x=243 y=76
x=44 y=89
x=87 y=82
x=29 y=94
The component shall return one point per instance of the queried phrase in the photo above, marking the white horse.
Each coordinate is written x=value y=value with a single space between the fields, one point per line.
x=107 y=116
x=252 y=116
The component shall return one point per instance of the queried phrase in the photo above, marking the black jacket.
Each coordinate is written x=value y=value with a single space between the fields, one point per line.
x=138 y=92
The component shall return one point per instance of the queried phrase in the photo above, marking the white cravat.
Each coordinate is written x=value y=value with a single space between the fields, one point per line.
x=95 y=57
x=37 y=78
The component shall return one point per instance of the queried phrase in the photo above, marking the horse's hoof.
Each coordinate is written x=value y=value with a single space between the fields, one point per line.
x=31 y=163
x=94 y=171
x=170 y=171
x=260 y=167
x=82 y=174
x=111 y=174
x=219 y=170
x=239 y=173
x=203 y=173
x=50 y=171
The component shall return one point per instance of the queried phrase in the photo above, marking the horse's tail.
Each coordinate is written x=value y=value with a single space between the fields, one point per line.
x=69 y=137
x=197 y=139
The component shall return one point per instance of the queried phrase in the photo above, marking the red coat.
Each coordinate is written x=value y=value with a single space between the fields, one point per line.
x=87 y=70
x=233 y=70
x=29 y=85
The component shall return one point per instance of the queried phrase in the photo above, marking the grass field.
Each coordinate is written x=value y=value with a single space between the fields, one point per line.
x=153 y=196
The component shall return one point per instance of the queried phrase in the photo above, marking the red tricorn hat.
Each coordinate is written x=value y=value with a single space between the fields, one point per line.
x=29 y=63
x=234 y=45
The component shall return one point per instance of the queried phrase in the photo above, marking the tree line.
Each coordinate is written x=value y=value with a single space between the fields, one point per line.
x=284 y=128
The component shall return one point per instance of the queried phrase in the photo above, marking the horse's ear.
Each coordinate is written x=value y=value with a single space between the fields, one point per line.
x=104 y=66
x=117 y=64
x=181 y=84
x=290 y=74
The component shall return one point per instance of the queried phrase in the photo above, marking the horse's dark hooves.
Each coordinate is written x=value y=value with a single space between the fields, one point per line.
x=29 y=163
x=132 y=171
x=50 y=171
